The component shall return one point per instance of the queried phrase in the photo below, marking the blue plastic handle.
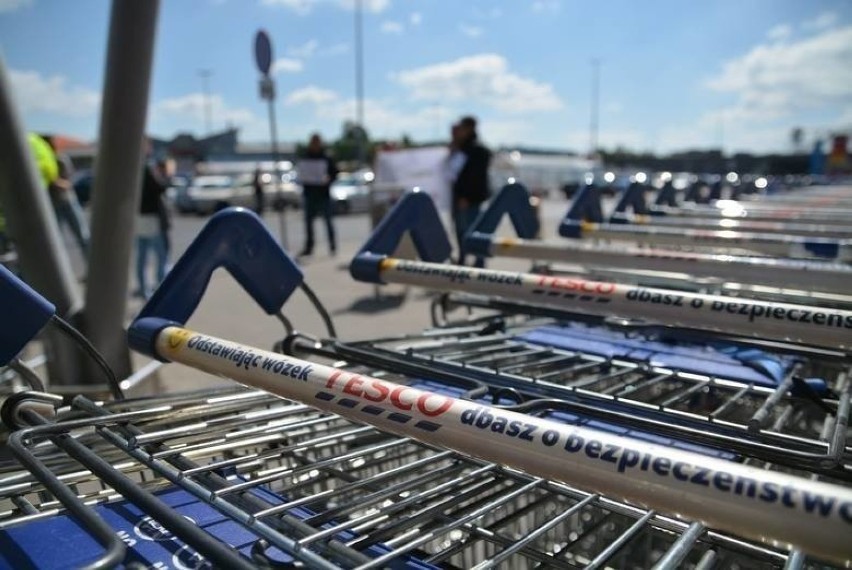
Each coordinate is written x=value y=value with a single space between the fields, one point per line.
x=512 y=199
x=667 y=196
x=236 y=240
x=632 y=199
x=826 y=248
x=586 y=207
x=414 y=213
x=24 y=313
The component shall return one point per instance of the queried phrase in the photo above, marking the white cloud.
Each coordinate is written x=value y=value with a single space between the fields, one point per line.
x=844 y=120
x=735 y=137
x=777 y=79
x=470 y=31
x=479 y=79
x=287 y=65
x=300 y=7
x=546 y=6
x=304 y=50
x=326 y=110
x=303 y=7
x=374 y=6
x=821 y=22
x=311 y=95
x=12 y=5
x=415 y=19
x=187 y=112
x=392 y=27
x=578 y=139
x=35 y=92
x=491 y=14
x=334 y=49
x=780 y=32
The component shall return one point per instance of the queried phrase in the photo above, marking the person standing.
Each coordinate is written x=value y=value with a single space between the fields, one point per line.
x=468 y=172
x=56 y=171
x=151 y=227
x=316 y=171
x=257 y=184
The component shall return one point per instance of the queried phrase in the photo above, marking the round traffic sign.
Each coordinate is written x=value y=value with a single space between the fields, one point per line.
x=263 y=51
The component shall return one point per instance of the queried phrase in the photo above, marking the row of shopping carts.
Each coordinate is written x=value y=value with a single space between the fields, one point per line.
x=586 y=413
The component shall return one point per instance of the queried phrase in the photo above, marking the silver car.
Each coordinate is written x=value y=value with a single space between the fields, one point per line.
x=350 y=192
x=209 y=194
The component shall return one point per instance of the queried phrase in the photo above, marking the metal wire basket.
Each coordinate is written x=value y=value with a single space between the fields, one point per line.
x=784 y=424
x=286 y=485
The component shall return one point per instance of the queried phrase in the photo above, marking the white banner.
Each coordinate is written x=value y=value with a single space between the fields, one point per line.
x=425 y=168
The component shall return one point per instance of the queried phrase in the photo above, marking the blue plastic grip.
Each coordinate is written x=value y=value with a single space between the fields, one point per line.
x=586 y=207
x=23 y=313
x=633 y=198
x=414 y=213
x=667 y=196
x=236 y=240
x=512 y=199
x=825 y=248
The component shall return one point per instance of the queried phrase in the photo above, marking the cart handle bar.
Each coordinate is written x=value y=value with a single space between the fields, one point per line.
x=761 y=505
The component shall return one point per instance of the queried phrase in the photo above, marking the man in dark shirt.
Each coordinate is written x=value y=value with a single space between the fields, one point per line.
x=316 y=171
x=468 y=165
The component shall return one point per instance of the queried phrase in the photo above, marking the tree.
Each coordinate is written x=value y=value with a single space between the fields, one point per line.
x=351 y=137
x=797 y=135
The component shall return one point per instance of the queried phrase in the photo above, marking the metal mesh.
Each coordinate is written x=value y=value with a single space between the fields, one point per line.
x=776 y=425
x=304 y=481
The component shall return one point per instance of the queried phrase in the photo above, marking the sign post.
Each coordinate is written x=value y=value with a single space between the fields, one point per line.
x=263 y=59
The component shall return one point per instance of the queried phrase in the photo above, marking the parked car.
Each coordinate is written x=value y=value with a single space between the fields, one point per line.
x=350 y=193
x=208 y=194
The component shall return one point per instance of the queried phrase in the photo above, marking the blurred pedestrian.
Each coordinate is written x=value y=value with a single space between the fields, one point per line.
x=57 y=180
x=152 y=226
x=166 y=170
x=316 y=171
x=467 y=171
x=257 y=183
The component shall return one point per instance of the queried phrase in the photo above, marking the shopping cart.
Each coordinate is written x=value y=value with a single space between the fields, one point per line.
x=429 y=416
x=348 y=495
x=283 y=483
x=735 y=275
x=632 y=208
x=762 y=209
x=656 y=380
x=747 y=317
x=584 y=220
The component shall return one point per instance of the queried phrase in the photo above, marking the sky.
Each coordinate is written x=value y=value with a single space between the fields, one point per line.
x=735 y=74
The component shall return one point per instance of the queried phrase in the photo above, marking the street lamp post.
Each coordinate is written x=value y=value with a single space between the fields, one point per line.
x=205 y=89
x=595 y=107
x=359 y=78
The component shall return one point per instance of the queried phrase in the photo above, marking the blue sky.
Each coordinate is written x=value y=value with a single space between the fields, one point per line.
x=674 y=74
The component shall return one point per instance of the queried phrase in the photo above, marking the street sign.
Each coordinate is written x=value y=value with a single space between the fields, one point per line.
x=263 y=51
x=267 y=88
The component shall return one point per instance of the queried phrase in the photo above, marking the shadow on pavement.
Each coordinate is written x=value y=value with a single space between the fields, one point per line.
x=372 y=304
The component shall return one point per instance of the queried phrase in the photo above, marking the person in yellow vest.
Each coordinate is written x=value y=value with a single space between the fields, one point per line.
x=55 y=176
x=45 y=159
